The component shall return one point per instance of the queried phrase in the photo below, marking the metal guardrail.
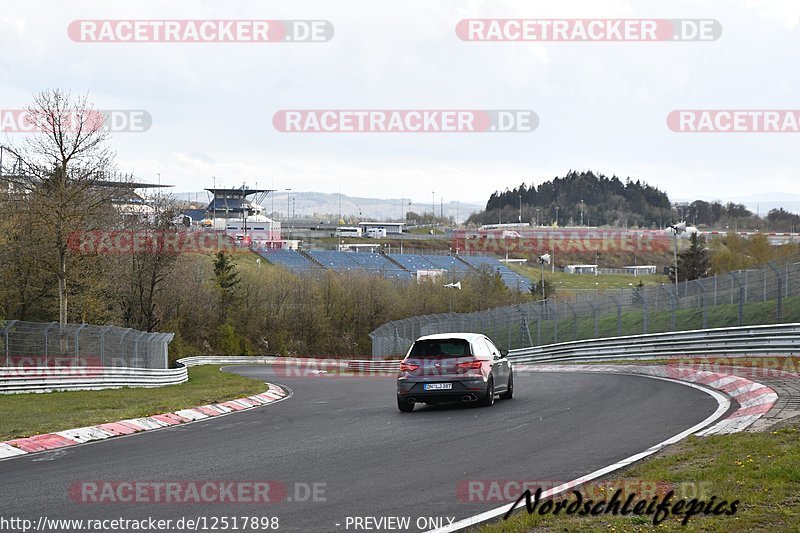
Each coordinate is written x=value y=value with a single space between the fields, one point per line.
x=64 y=378
x=749 y=340
x=70 y=378
x=374 y=366
x=781 y=339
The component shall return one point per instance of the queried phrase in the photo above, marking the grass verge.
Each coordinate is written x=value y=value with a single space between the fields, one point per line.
x=23 y=415
x=761 y=470
x=566 y=282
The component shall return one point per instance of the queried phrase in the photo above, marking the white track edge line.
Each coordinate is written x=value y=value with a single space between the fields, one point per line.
x=289 y=394
x=723 y=404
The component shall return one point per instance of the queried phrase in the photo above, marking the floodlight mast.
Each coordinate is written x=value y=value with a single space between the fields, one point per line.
x=677 y=229
x=542 y=260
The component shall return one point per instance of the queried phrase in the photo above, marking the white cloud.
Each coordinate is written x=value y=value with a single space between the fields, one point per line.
x=602 y=106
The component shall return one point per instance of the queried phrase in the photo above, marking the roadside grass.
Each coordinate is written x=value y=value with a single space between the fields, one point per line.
x=425 y=231
x=23 y=415
x=566 y=282
x=761 y=470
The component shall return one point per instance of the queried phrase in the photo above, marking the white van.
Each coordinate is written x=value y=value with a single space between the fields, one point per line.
x=345 y=231
x=376 y=233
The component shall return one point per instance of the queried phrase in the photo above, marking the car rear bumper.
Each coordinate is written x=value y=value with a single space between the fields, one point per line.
x=464 y=390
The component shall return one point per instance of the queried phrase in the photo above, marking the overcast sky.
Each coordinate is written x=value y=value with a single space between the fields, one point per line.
x=602 y=106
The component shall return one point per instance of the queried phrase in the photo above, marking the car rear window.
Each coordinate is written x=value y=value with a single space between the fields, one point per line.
x=440 y=348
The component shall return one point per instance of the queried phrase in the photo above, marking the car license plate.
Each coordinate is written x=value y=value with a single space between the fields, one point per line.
x=438 y=386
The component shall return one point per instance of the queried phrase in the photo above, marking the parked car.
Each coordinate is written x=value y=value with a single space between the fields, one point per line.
x=454 y=367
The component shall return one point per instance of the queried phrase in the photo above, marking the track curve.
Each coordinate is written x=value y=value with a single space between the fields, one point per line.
x=346 y=433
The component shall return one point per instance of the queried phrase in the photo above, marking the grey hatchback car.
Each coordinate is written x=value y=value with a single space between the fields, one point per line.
x=454 y=367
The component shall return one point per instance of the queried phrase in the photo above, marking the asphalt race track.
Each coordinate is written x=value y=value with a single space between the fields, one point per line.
x=346 y=435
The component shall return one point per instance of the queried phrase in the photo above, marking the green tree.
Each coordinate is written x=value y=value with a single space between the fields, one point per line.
x=549 y=289
x=693 y=262
x=227 y=277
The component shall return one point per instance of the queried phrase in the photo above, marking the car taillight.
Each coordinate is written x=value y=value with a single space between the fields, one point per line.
x=408 y=367
x=472 y=365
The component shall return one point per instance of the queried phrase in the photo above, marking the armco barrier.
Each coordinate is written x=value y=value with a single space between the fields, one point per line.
x=781 y=339
x=749 y=340
x=50 y=379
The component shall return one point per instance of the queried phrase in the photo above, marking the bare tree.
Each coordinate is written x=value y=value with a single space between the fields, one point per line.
x=141 y=274
x=66 y=167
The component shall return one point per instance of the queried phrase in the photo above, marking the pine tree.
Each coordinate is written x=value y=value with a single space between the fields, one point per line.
x=225 y=271
x=227 y=278
x=692 y=263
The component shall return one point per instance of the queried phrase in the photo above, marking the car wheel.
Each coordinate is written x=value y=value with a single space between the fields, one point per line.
x=508 y=394
x=488 y=398
x=404 y=405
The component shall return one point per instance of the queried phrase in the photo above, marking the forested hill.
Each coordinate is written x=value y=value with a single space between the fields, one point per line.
x=604 y=201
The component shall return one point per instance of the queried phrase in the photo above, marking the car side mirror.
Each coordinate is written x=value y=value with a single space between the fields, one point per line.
x=503 y=353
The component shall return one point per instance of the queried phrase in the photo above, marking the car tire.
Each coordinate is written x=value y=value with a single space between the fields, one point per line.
x=508 y=394
x=404 y=406
x=488 y=398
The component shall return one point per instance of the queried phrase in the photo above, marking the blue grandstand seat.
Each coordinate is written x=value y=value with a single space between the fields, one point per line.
x=289 y=259
x=509 y=277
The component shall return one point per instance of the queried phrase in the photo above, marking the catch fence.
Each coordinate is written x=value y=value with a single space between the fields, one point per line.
x=766 y=295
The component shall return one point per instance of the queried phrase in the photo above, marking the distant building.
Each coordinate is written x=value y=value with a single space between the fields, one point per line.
x=640 y=270
x=392 y=228
x=581 y=269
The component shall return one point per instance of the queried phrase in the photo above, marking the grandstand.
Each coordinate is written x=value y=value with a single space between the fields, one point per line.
x=509 y=277
x=393 y=266
x=290 y=260
x=372 y=263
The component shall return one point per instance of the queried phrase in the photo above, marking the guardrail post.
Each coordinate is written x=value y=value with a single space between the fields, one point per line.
x=715 y=290
x=46 y=346
x=779 y=299
x=136 y=346
x=675 y=305
x=645 y=315
x=9 y=325
x=77 y=342
x=742 y=296
x=574 y=320
x=525 y=329
x=122 y=347
x=705 y=305
x=786 y=283
x=508 y=330
x=396 y=343
x=671 y=297
x=555 y=322
x=619 y=314
x=103 y=332
x=538 y=310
